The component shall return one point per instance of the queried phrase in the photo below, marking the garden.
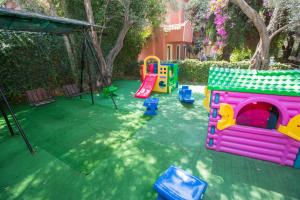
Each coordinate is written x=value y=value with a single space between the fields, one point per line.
x=84 y=117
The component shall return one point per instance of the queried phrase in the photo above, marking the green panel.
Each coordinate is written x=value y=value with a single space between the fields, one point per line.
x=33 y=22
x=279 y=82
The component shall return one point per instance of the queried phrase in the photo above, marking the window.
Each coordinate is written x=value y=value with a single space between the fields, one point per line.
x=258 y=114
x=184 y=51
x=178 y=52
x=169 y=52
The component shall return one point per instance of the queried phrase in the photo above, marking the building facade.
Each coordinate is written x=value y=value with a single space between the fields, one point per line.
x=171 y=40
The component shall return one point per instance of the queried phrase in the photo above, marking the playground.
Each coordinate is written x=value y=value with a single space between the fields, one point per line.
x=80 y=124
x=95 y=151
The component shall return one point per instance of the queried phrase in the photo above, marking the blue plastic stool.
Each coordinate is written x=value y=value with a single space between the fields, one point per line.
x=185 y=95
x=151 y=106
x=177 y=184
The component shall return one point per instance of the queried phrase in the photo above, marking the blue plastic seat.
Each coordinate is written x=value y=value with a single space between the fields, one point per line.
x=177 y=184
x=185 y=95
x=151 y=106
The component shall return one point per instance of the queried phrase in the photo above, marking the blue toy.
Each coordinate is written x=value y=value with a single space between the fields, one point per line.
x=151 y=106
x=185 y=95
x=177 y=184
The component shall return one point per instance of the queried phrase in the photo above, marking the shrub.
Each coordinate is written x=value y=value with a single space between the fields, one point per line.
x=29 y=61
x=195 y=71
x=192 y=70
x=240 y=54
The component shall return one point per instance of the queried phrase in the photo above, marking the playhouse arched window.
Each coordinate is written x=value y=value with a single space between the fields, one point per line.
x=260 y=115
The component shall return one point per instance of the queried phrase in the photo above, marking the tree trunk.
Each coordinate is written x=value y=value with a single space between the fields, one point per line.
x=107 y=63
x=261 y=58
x=117 y=48
x=96 y=44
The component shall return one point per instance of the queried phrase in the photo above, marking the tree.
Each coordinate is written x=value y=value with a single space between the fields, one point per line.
x=196 y=13
x=117 y=17
x=285 y=15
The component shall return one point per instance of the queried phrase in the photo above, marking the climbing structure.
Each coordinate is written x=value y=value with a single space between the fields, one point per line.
x=157 y=77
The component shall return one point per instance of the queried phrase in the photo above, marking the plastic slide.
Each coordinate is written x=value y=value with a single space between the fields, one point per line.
x=147 y=86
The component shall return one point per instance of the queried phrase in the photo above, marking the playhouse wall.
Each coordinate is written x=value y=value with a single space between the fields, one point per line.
x=259 y=143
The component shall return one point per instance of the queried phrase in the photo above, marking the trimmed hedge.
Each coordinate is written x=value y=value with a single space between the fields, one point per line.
x=195 y=71
x=29 y=61
x=190 y=70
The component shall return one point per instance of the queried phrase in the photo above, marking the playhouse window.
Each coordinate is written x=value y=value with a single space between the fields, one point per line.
x=258 y=114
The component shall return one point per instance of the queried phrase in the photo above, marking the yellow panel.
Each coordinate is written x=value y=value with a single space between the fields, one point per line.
x=227 y=114
x=145 y=63
x=206 y=101
x=162 y=77
x=292 y=129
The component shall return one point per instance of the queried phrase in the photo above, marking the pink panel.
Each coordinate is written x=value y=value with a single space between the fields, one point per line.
x=151 y=68
x=259 y=143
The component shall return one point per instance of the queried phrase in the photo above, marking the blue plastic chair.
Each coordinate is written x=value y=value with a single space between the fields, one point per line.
x=185 y=95
x=177 y=184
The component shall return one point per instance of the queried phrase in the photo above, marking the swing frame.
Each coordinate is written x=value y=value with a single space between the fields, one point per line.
x=20 y=21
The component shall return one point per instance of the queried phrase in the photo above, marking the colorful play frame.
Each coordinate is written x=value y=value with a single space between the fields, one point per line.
x=255 y=114
x=157 y=77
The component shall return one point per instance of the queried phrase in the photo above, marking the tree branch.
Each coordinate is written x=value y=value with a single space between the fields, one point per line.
x=90 y=17
x=290 y=25
x=252 y=15
x=274 y=20
x=127 y=23
x=104 y=22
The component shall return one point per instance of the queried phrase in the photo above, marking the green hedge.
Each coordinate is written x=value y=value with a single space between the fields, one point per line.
x=29 y=61
x=195 y=71
x=190 y=70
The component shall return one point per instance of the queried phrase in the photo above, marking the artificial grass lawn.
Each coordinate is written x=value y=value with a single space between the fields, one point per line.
x=89 y=151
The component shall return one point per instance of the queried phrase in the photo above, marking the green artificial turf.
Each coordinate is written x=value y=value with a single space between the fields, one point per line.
x=89 y=151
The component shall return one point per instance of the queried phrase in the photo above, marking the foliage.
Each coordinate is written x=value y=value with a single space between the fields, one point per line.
x=115 y=16
x=39 y=60
x=241 y=32
x=32 y=60
x=196 y=71
x=290 y=7
x=240 y=54
x=197 y=13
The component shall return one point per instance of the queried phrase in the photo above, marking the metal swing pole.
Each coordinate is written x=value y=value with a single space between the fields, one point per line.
x=85 y=62
x=12 y=133
x=16 y=122
x=98 y=64
x=82 y=68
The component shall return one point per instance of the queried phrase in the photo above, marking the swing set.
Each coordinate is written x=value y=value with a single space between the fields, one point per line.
x=20 y=21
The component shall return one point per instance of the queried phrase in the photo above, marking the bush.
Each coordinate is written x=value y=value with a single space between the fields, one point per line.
x=240 y=54
x=195 y=71
x=29 y=61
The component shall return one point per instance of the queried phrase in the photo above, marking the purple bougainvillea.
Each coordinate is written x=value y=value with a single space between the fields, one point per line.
x=216 y=8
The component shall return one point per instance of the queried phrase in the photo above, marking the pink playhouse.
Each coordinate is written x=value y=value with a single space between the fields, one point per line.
x=255 y=114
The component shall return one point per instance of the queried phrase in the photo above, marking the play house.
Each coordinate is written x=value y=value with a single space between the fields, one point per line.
x=255 y=114
x=157 y=77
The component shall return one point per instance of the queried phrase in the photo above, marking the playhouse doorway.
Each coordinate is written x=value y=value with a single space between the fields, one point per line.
x=259 y=114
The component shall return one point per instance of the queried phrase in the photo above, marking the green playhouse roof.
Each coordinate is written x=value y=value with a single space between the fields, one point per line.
x=33 y=22
x=278 y=82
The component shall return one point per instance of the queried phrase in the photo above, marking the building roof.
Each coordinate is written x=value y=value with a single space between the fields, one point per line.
x=33 y=22
x=279 y=82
